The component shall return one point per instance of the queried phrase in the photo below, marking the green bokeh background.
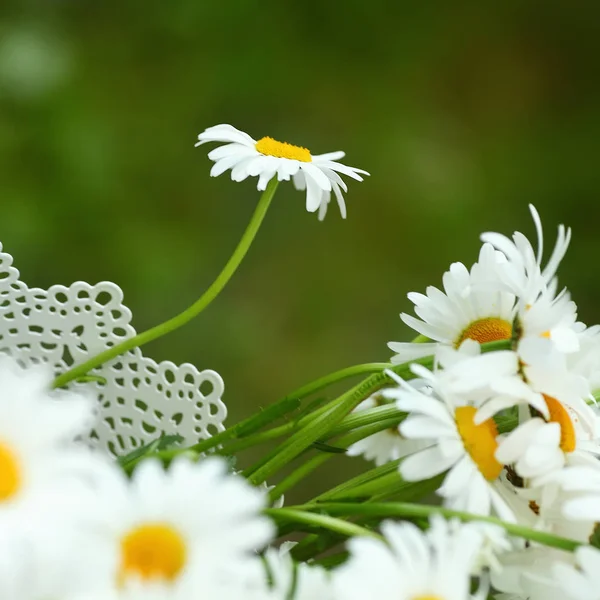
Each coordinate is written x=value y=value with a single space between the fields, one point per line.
x=462 y=112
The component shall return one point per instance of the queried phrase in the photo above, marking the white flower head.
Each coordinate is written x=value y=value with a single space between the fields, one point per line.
x=38 y=453
x=412 y=564
x=529 y=574
x=465 y=445
x=266 y=158
x=582 y=481
x=386 y=445
x=304 y=581
x=179 y=528
x=580 y=581
x=470 y=307
x=523 y=273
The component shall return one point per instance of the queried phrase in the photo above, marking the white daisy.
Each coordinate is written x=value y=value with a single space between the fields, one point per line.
x=296 y=580
x=267 y=158
x=465 y=448
x=523 y=273
x=178 y=528
x=387 y=445
x=468 y=308
x=37 y=432
x=583 y=482
x=529 y=574
x=542 y=508
x=564 y=434
x=411 y=564
x=580 y=581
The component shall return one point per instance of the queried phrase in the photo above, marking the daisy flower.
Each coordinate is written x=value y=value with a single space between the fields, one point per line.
x=410 y=564
x=542 y=508
x=580 y=581
x=529 y=574
x=567 y=433
x=468 y=308
x=541 y=311
x=466 y=444
x=583 y=482
x=295 y=580
x=178 y=528
x=266 y=158
x=523 y=273
x=37 y=433
x=386 y=445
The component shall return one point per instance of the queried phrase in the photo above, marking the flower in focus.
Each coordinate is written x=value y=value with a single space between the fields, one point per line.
x=465 y=444
x=179 y=529
x=387 y=445
x=38 y=454
x=523 y=274
x=468 y=308
x=410 y=564
x=266 y=158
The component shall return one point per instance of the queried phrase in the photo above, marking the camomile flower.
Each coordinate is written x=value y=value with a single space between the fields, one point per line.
x=582 y=481
x=266 y=158
x=541 y=311
x=567 y=433
x=582 y=580
x=529 y=574
x=468 y=308
x=178 y=528
x=469 y=388
x=37 y=432
x=538 y=448
x=386 y=445
x=464 y=447
x=542 y=508
x=523 y=274
x=410 y=564
x=295 y=580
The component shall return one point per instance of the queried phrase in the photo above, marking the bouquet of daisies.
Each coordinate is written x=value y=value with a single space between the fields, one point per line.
x=118 y=478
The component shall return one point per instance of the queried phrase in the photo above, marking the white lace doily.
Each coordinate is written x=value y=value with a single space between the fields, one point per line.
x=139 y=399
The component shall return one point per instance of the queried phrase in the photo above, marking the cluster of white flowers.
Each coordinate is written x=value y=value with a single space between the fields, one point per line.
x=505 y=414
x=74 y=527
x=516 y=431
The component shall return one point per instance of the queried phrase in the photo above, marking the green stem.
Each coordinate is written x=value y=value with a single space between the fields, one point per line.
x=302 y=439
x=316 y=429
x=352 y=421
x=331 y=378
x=306 y=468
x=320 y=521
x=406 y=509
x=195 y=309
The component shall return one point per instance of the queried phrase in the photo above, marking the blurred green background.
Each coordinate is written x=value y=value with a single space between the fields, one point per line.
x=462 y=112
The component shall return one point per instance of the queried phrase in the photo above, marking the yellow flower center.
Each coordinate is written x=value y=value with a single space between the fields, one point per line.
x=153 y=551
x=271 y=147
x=10 y=473
x=479 y=441
x=490 y=329
x=560 y=415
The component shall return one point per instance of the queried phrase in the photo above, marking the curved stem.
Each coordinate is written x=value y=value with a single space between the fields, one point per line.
x=327 y=380
x=195 y=309
x=320 y=521
x=406 y=509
